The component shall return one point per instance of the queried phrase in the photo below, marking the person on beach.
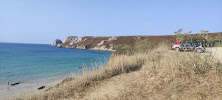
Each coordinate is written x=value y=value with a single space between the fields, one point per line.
x=9 y=86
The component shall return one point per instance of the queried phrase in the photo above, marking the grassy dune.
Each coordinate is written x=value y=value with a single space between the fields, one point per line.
x=159 y=73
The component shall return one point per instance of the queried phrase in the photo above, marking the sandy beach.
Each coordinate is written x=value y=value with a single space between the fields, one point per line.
x=9 y=92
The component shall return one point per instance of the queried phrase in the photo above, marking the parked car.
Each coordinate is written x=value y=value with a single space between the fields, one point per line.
x=188 y=46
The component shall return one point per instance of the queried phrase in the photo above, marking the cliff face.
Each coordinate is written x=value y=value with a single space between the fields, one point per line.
x=108 y=43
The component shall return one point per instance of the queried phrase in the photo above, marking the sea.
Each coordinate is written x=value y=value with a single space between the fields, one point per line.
x=21 y=62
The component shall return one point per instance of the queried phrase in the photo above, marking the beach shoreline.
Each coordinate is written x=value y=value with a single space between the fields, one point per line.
x=30 y=86
x=30 y=66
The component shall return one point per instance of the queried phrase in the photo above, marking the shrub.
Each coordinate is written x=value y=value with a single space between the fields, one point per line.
x=123 y=49
x=142 y=46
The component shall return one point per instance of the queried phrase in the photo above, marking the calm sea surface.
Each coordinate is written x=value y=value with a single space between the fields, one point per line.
x=22 y=62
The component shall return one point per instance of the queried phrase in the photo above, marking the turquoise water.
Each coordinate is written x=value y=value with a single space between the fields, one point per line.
x=22 y=62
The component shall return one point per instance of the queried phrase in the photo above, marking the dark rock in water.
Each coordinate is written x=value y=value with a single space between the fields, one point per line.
x=15 y=83
x=42 y=87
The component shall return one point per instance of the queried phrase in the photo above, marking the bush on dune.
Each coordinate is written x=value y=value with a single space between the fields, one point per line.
x=140 y=46
x=123 y=49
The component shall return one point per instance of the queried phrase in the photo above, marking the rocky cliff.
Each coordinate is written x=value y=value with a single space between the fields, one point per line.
x=107 y=43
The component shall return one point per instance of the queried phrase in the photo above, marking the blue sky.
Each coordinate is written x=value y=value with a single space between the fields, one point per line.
x=42 y=21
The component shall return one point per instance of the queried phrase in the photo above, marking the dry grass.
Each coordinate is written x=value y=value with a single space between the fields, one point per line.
x=158 y=74
x=173 y=75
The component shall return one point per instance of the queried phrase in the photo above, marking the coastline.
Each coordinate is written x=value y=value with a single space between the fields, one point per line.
x=30 y=86
x=105 y=50
x=45 y=60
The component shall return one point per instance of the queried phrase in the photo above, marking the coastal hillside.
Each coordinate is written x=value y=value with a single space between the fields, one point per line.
x=106 y=43
x=111 y=43
x=159 y=73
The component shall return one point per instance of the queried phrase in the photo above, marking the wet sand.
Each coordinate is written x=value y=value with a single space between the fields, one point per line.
x=9 y=92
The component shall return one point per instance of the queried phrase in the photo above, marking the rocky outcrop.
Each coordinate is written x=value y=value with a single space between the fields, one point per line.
x=76 y=40
x=93 y=43
x=13 y=84
x=104 y=45
x=81 y=47
x=59 y=45
x=56 y=42
x=70 y=39
x=42 y=87
x=112 y=38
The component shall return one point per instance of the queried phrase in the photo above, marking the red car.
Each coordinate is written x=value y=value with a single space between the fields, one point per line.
x=188 y=46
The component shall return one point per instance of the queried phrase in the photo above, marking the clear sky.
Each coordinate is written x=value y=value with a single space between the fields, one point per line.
x=42 y=21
